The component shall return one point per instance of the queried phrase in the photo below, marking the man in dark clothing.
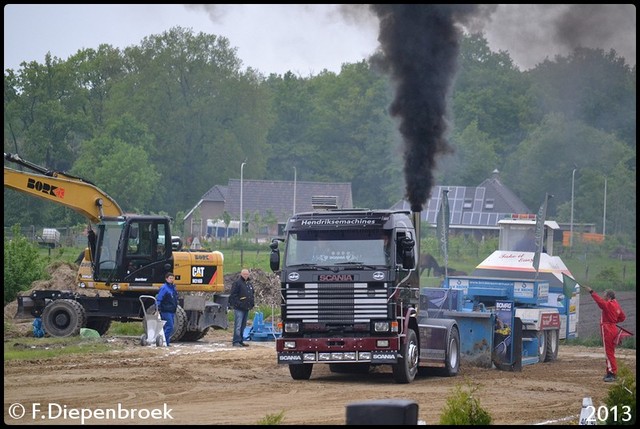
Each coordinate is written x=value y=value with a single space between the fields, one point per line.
x=241 y=299
x=611 y=314
x=167 y=300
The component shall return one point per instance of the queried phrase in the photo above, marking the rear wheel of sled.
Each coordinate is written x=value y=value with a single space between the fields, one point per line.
x=63 y=318
x=407 y=367
x=553 y=343
x=542 y=345
x=159 y=342
x=301 y=371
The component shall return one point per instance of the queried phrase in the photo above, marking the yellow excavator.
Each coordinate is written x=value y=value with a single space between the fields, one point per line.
x=127 y=255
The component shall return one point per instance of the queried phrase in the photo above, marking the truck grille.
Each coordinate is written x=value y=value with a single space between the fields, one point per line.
x=335 y=302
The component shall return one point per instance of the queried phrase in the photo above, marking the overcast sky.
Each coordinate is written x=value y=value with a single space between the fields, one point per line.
x=304 y=39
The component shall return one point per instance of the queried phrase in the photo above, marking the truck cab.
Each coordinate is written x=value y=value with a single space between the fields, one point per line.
x=350 y=296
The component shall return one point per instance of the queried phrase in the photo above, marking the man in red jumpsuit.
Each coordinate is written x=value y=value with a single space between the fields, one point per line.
x=611 y=314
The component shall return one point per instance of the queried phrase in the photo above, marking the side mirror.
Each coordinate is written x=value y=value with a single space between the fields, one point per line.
x=176 y=243
x=407 y=246
x=274 y=257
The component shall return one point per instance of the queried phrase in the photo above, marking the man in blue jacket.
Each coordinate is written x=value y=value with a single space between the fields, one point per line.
x=167 y=300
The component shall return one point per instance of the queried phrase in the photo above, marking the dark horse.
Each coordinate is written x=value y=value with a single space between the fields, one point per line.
x=428 y=262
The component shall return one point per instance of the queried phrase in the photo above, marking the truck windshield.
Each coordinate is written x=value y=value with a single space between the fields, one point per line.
x=328 y=248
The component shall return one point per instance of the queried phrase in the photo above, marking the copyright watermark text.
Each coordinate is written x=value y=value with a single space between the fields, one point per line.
x=54 y=411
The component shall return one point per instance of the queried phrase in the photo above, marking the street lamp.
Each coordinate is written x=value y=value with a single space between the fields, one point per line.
x=295 y=180
x=604 y=212
x=573 y=179
x=241 y=187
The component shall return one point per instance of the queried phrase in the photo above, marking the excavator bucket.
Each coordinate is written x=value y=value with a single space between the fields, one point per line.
x=25 y=306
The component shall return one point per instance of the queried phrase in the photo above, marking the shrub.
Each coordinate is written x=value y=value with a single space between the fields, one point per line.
x=621 y=399
x=464 y=409
x=272 y=419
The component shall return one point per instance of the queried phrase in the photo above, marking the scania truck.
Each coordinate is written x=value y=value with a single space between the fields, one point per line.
x=350 y=294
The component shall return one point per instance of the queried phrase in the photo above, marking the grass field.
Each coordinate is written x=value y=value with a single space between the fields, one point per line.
x=594 y=268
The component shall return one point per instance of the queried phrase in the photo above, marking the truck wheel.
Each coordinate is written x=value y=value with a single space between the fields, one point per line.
x=452 y=355
x=407 y=367
x=100 y=324
x=553 y=343
x=542 y=345
x=301 y=371
x=194 y=335
x=179 y=325
x=63 y=318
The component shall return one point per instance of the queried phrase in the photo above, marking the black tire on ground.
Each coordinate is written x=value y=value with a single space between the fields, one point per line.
x=452 y=354
x=349 y=368
x=143 y=340
x=100 y=324
x=553 y=343
x=542 y=345
x=194 y=335
x=63 y=318
x=407 y=367
x=301 y=371
x=179 y=325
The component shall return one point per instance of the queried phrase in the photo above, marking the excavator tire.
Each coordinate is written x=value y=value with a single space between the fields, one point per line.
x=100 y=324
x=63 y=318
x=179 y=325
x=194 y=335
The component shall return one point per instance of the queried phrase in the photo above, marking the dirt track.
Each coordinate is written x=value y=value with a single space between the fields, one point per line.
x=209 y=382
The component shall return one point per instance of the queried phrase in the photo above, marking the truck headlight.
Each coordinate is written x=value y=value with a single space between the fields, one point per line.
x=381 y=326
x=291 y=327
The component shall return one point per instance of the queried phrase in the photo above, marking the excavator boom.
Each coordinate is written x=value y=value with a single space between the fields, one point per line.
x=61 y=188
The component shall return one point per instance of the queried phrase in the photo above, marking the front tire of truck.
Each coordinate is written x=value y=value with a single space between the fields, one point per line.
x=301 y=371
x=553 y=343
x=63 y=318
x=407 y=367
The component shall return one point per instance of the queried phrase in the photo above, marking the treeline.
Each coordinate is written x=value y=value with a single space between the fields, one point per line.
x=158 y=124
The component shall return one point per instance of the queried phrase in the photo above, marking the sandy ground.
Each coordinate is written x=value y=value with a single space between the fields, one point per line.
x=210 y=382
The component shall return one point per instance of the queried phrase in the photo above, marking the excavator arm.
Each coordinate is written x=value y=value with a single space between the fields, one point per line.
x=62 y=188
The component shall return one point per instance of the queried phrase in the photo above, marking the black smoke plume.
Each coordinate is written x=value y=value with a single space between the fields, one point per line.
x=419 y=50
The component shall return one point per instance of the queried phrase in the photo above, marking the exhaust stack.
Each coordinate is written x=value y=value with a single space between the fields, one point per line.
x=415 y=217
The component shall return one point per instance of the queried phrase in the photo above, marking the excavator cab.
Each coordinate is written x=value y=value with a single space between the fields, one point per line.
x=133 y=249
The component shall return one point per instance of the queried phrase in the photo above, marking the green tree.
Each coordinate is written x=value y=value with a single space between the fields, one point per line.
x=207 y=114
x=544 y=162
x=474 y=158
x=124 y=172
x=592 y=86
x=490 y=91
